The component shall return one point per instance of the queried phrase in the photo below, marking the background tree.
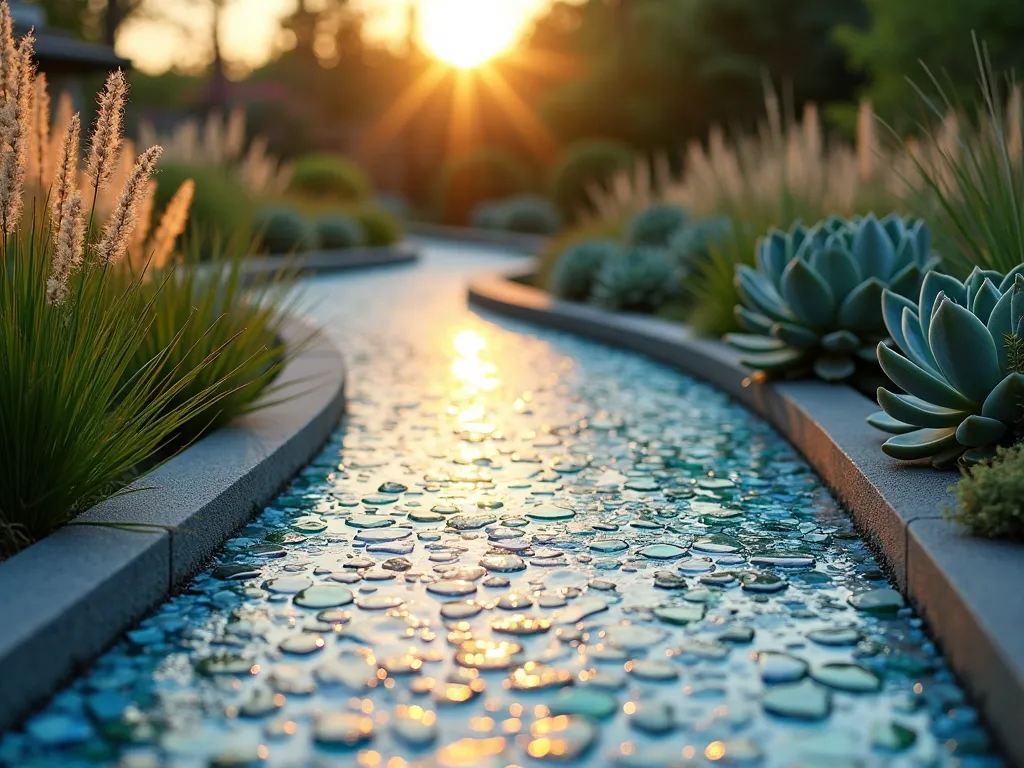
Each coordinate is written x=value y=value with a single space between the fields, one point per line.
x=903 y=33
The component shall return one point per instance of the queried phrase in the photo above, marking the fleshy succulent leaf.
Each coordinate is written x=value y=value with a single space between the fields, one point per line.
x=919 y=382
x=838 y=268
x=784 y=359
x=1017 y=304
x=978 y=431
x=772 y=255
x=841 y=341
x=834 y=367
x=1007 y=282
x=907 y=281
x=892 y=313
x=920 y=444
x=984 y=300
x=873 y=249
x=920 y=413
x=752 y=321
x=796 y=336
x=999 y=327
x=964 y=351
x=859 y=312
x=886 y=423
x=1006 y=401
x=933 y=284
x=760 y=295
x=752 y=342
x=917 y=345
x=807 y=294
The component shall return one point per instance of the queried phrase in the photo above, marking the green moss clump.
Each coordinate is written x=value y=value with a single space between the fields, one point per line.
x=991 y=497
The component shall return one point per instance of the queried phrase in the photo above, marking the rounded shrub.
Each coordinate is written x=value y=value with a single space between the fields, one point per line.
x=380 y=226
x=640 y=279
x=990 y=496
x=221 y=209
x=335 y=231
x=488 y=214
x=330 y=176
x=575 y=270
x=656 y=224
x=693 y=242
x=485 y=174
x=531 y=215
x=280 y=229
x=583 y=165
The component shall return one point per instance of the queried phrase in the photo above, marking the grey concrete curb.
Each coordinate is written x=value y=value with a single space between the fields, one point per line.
x=331 y=261
x=966 y=588
x=518 y=242
x=67 y=597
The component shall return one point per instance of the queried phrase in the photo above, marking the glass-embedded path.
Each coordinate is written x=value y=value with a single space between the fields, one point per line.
x=520 y=549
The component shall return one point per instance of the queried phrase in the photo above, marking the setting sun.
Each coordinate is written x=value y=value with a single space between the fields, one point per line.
x=467 y=33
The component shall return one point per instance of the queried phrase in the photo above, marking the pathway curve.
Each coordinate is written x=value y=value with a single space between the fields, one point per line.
x=522 y=549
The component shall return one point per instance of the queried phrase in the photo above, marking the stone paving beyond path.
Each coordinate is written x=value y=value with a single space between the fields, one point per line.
x=520 y=549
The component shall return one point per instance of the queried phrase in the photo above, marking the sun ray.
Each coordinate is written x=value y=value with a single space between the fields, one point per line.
x=536 y=135
x=464 y=123
x=548 y=64
x=403 y=110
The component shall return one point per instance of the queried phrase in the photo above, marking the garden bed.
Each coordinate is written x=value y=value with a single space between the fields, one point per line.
x=967 y=589
x=70 y=595
x=314 y=262
x=513 y=241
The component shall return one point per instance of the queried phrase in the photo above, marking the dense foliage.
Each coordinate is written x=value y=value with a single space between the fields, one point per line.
x=477 y=177
x=329 y=176
x=585 y=166
x=990 y=496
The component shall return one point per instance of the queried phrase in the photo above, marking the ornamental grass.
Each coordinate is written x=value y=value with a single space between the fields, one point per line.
x=111 y=355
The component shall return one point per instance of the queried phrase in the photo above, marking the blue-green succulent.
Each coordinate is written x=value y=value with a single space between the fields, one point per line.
x=281 y=229
x=693 y=240
x=576 y=268
x=337 y=231
x=961 y=368
x=656 y=224
x=814 y=302
x=529 y=214
x=637 y=280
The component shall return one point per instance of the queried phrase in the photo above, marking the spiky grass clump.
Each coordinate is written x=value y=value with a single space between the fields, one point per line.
x=211 y=320
x=92 y=390
x=991 y=497
x=967 y=175
x=82 y=407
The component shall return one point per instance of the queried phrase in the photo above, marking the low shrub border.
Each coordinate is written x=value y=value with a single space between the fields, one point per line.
x=967 y=589
x=513 y=241
x=68 y=596
x=313 y=262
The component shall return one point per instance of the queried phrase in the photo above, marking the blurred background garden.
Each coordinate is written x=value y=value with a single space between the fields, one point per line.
x=292 y=112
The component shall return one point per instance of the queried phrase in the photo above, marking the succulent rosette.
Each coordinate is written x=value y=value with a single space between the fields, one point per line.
x=813 y=304
x=960 y=364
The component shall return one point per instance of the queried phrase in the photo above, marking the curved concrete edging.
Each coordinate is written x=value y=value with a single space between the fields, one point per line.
x=519 y=242
x=966 y=588
x=314 y=262
x=67 y=597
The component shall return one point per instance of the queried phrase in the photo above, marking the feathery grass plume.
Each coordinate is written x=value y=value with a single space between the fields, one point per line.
x=118 y=231
x=66 y=172
x=58 y=128
x=68 y=250
x=15 y=121
x=40 y=160
x=105 y=142
x=111 y=191
x=172 y=224
x=136 y=249
x=8 y=53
